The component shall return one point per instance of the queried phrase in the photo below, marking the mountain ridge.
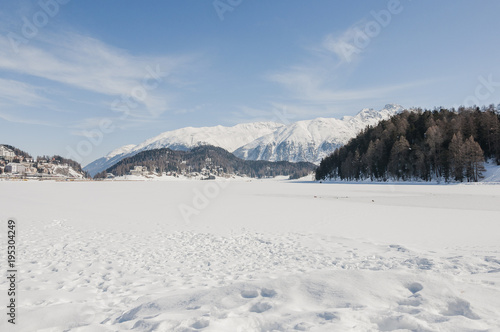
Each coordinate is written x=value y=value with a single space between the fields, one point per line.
x=183 y=139
x=206 y=158
x=312 y=140
x=305 y=140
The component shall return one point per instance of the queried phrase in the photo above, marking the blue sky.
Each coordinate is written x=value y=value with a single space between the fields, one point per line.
x=80 y=78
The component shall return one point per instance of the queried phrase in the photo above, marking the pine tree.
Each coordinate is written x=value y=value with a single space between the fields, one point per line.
x=399 y=162
x=419 y=169
x=421 y=145
x=368 y=161
x=474 y=160
x=457 y=157
x=434 y=140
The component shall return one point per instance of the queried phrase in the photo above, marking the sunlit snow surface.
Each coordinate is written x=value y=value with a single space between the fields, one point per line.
x=257 y=256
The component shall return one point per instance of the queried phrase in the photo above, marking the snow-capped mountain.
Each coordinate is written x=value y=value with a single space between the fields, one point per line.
x=228 y=138
x=312 y=140
x=308 y=140
x=109 y=160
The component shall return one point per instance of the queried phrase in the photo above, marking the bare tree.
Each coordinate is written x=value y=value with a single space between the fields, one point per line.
x=457 y=157
x=474 y=160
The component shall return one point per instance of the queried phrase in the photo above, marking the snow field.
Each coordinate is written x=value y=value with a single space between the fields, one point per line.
x=261 y=256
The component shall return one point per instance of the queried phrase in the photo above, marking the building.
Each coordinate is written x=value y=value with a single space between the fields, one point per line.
x=6 y=153
x=139 y=170
x=15 y=168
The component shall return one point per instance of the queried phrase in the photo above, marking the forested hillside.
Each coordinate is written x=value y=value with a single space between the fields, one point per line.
x=18 y=152
x=61 y=160
x=164 y=160
x=423 y=145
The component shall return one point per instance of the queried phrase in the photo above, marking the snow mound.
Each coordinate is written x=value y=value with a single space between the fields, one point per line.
x=492 y=174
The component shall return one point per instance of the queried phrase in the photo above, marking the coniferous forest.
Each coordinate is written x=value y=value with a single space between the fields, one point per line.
x=421 y=145
x=163 y=160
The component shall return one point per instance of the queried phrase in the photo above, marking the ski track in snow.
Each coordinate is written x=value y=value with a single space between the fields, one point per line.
x=87 y=279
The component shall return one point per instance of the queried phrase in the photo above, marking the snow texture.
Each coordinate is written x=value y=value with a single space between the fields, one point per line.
x=259 y=256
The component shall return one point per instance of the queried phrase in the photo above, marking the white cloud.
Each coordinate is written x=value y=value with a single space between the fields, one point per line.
x=319 y=79
x=346 y=45
x=88 y=64
x=316 y=87
x=12 y=91
x=25 y=120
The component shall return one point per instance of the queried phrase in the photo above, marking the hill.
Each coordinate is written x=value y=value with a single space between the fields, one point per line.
x=442 y=145
x=308 y=140
x=15 y=163
x=18 y=152
x=209 y=160
x=229 y=138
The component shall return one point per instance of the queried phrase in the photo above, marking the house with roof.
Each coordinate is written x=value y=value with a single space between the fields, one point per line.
x=15 y=168
x=139 y=170
x=6 y=153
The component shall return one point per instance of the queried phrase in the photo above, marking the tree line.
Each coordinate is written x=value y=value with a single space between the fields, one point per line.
x=442 y=144
x=18 y=152
x=61 y=160
x=194 y=160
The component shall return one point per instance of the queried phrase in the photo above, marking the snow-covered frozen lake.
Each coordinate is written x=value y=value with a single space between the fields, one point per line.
x=253 y=256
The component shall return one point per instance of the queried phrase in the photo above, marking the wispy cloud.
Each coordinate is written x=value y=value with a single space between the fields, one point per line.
x=316 y=86
x=319 y=78
x=87 y=64
x=12 y=91
x=341 y=44
x=26 y=120
x=321 y=95
x=84 y=63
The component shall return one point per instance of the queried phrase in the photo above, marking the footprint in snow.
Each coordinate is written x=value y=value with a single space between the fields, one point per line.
x=303 y=326
x=249 y=294
x=327 y=315
x=266 y=292
x=415 y=287
x=413 y=301
x=398 y=247
x=201 y=324
x=260 y=307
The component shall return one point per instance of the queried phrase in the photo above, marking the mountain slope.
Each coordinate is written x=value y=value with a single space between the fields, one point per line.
x=109 y=160
x=308 y=140
x=164 y=159
x=425 y=145
x=312 y=140
x=228 y=138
